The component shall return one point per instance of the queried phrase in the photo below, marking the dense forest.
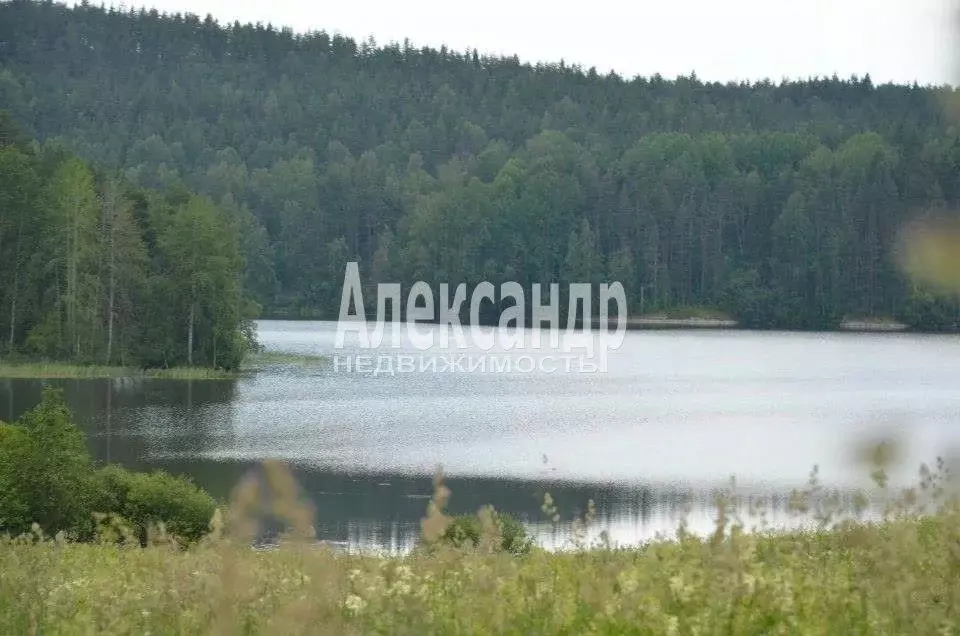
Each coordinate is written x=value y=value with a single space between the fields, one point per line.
x=780 y=203
x=95 y=270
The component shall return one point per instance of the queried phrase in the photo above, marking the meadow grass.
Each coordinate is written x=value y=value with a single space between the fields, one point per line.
x=59 y=370
x=896 y=576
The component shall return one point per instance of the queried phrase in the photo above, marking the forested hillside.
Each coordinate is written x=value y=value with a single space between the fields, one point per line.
x=779 y=202
x=97 y=271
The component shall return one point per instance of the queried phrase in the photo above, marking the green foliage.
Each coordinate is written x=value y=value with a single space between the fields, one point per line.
x=929 y=311
x=15 y=507
x=746 y=297
x=781 y=202
x=147 y=500
x=10 y=133
x=102 y=273
x=48 y=478
x=200 y=257
x=468 y=530
x=46 y=473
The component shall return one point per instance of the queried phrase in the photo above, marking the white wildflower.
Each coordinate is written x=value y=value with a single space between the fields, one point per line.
x=680 y=589
x=628 y=582
x=354 y=604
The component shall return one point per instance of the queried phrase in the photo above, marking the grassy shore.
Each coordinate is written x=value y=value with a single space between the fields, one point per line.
x=58 y=370
x=896 y=576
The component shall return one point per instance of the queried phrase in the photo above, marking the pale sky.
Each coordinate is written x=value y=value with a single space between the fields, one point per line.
x=893 y=40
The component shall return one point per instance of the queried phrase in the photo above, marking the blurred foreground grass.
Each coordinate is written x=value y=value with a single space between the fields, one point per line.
x=896 y=576
x=930 y=253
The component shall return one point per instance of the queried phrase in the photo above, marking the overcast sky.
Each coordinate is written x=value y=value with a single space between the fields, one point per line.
x=893 y=40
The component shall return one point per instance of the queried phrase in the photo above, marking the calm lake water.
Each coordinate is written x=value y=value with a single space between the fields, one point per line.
x=675 y=415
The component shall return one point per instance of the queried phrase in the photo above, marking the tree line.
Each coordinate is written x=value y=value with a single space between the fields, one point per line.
x=780 y=203
x=96 y=270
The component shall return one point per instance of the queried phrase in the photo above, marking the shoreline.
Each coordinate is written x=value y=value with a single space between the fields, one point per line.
x=36 y=370
x=848 y=326
x=46 y=370
x=660 y=322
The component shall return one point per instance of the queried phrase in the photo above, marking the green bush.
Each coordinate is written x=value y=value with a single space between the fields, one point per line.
x=147 y=499
x=47 y=477
x=924 y=310
x=467 y=530
x=46 y=473
x=113 y=483
x=14 y=507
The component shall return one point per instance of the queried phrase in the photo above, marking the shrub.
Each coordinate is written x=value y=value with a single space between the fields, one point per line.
x=14 y=507
x=113 y=483
x=48 y=477
x=926 y=311
x=147 y=499
x=46 y=473
x=467 y=530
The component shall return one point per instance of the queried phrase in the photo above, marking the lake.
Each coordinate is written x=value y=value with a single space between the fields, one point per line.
x=671 y=419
